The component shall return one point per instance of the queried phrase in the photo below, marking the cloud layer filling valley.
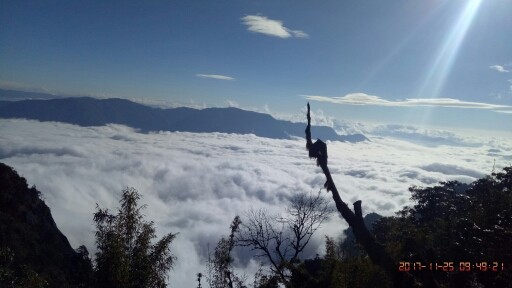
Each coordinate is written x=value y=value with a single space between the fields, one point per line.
x=196 y=183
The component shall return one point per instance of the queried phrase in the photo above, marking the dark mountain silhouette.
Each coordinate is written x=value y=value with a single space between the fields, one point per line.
x=32 y=249
x=86 y=111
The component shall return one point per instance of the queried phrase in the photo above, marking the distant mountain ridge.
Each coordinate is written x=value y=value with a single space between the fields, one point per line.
x=87 y=111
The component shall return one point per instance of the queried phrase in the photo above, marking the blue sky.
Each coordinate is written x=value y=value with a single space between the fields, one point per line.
x=432 y=62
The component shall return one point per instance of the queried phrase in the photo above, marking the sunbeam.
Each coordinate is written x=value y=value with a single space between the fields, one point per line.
x=443 y=62
x=437 y=74
x=384 y=64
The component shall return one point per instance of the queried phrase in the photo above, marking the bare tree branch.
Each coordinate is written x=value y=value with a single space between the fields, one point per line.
x=259 y=234
x=376 y=252
x=282 y=239
x=306 y=214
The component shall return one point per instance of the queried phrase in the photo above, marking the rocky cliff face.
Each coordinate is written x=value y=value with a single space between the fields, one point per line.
x=32 y=249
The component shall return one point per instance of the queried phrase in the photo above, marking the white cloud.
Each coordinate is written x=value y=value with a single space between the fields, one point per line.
x=448 y=169
x=423 y=136
x=318 y=118
x=365 y=99
x=232 y=103
x=499 y=68
x=196 y=183
x=261 y=24
x=299 y=34
x=266 y=109
x=504 y=111
x=216 y=76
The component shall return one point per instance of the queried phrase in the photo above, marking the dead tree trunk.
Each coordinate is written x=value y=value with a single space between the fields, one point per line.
x=376 y=251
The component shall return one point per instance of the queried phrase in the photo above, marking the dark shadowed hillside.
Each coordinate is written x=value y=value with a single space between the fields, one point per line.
x=86 y=111
x=32 y=249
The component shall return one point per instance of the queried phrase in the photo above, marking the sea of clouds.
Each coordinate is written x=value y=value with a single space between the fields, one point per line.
x=195 y=183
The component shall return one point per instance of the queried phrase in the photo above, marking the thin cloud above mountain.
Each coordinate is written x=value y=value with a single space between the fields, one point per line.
x=365 y=99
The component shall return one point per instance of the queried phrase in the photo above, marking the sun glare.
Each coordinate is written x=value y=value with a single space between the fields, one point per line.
x=440 y=69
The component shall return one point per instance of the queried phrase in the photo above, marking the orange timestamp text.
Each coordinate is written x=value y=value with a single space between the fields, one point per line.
x=450 y=266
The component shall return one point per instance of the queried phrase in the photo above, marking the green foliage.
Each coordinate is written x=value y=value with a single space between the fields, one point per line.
x=220 y=271
x=15 y=275
x=456 y=222
x=126 y=256
x=334 y=270
x=449 y=222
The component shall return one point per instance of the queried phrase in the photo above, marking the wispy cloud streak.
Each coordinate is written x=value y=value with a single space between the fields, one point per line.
x=365 y=99
x=216 y=76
